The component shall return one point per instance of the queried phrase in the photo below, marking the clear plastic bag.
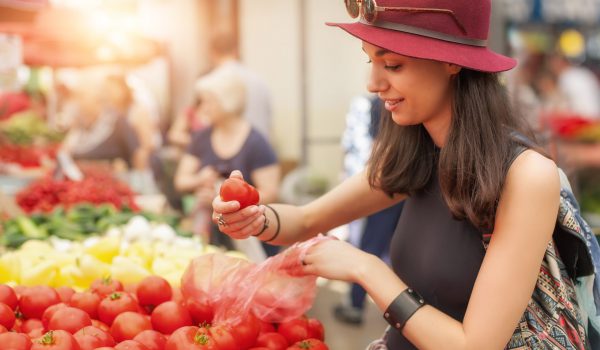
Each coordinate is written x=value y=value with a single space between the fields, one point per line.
x=275 y=290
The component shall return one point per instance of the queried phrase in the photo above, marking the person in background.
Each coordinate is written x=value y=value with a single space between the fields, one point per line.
x=373 y=233
x=579 y=85
x=185 y=124
x=102 y=133
x=552 y=99
x=119 y=98
x=223 y=51
x=229 y=143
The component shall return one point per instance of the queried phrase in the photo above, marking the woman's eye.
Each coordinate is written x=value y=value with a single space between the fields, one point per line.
x=394 y=67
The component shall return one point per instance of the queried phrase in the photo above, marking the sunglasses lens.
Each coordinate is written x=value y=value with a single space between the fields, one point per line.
x=352 y=7
x=369 y=10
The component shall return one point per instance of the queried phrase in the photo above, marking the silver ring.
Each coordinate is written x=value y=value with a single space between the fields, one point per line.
x=221 y=221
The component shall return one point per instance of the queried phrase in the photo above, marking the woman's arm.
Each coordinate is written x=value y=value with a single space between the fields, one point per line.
x=352 y=199
x=266 y=181
x=188 y=178
x=525 y=221
x=179 y=134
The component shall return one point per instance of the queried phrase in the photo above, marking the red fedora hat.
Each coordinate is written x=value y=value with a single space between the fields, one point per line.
x=453 y=31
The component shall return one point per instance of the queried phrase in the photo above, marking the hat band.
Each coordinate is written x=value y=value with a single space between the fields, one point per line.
x=426 y=32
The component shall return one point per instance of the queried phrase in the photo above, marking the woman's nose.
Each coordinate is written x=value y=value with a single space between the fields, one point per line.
x=377 y=82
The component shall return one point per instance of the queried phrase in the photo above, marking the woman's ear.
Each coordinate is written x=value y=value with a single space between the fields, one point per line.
x=452 y=69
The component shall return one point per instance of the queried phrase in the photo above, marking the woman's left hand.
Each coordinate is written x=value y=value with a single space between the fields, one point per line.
x=335 y=260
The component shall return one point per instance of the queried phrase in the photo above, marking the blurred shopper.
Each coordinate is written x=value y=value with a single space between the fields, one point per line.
x=553 y=101
x=186 y=123
x=522 y=92
x=229 y=143
x=119 y=97
x=579 y=85
x=374 y=233
x=451 y=146
x=102 y=133
x=223 y=49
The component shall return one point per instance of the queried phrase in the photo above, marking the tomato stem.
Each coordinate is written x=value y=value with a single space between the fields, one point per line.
x=47 y=339
x=201 y=339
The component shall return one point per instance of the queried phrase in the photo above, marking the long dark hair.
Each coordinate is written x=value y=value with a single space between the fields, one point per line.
x=471 y=167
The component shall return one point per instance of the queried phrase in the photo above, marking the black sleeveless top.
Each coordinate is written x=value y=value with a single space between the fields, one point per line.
x=436 y=255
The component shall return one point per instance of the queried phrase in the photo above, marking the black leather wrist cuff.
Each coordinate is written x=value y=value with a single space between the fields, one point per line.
x=402 y=308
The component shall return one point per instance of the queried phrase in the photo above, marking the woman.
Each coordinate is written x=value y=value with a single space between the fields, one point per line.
x=99 y=133
x=229 y=143
x=119 y=97
x=446 y=145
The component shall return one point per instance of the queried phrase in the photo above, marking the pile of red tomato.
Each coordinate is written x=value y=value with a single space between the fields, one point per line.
x=149 y=316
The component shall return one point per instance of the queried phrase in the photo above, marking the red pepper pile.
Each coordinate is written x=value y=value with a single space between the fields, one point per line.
x=96 y=188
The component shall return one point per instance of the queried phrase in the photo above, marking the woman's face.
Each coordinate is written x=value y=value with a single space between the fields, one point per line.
x=414 y=90
x=210 y=109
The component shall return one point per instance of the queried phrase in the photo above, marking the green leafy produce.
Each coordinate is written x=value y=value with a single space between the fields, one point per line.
x=75 y=224
x=27 y=128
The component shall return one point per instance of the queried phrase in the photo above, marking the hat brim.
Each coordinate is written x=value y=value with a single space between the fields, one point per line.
x=473 y=57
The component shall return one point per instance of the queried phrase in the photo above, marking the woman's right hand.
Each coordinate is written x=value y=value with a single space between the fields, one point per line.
x=236 y=223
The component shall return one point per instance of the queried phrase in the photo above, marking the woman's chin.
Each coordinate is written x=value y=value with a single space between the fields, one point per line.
x=403 y=120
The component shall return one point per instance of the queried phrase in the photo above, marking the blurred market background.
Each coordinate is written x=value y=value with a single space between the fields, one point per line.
x=100 y=99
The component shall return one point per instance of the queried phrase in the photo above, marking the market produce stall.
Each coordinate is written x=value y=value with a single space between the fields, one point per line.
x=82 y=267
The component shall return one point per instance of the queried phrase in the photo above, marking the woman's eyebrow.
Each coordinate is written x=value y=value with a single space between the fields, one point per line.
x=380 y=52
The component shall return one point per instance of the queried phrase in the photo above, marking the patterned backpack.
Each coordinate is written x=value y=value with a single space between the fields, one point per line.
x=560 y=311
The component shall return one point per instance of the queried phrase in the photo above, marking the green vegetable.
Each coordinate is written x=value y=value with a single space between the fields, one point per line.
x=29 y=228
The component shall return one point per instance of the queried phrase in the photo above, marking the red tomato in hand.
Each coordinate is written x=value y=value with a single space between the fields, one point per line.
x=15 y=341
x=239 y=190
x=294 y=330
x=86 y=301
x=8 y=296
x=65 y=293
x=114 y=304
x=246 y=332
x=272 y=341
x=50 y=312
x=105 y=286
x=152 y=339
x=315 y=329
x=90 y=338
x=153 y=291
x=129 y=324
x=130 y=345
x=170 y=316
x=55 y=340
x=69 y=319
x=201 y=312
x=35 y=300
x=7 y=316
x=309 y=344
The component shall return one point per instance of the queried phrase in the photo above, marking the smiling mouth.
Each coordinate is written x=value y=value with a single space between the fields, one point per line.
x=392 y=104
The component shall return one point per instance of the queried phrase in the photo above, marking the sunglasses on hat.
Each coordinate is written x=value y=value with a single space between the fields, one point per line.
x=367 y=10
